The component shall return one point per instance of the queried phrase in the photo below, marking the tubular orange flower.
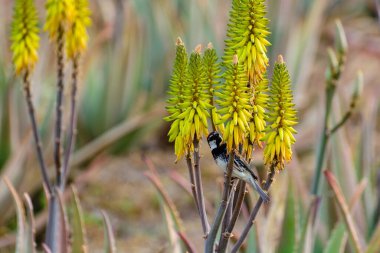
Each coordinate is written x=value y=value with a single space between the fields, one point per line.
x=235 y=105
x=76 y=35
x=24 y=36
x=246 y=37
x=282 y=118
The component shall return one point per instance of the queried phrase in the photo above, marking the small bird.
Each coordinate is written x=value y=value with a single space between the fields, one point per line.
x=240 y=169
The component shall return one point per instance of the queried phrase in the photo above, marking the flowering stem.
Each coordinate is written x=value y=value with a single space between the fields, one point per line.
x=58 y=123
x=73 y=120
x=226 y=234
x=192 y=178
x=345 y=117
x=324 y=139
x=255 y=209
x=28 y=97
x=209 y=248
x=199 y=190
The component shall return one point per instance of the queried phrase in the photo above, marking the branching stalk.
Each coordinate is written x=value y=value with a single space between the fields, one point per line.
x=199 y=190
x=226 y=234
x=345 y=117
x=72 y=126
x=59 y=105
x=255 y=209
x=31 y=110
x=209 y=247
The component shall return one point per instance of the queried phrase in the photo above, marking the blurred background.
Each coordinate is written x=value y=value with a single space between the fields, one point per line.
x=123 y=80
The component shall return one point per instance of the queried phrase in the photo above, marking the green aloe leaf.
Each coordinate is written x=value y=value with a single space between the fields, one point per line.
x=79 y=243
x=21 y=226
x=56 y=232
x=288 y=243
x=29 y=233
x=374 y=244
x=110 y=245
x=251 y=241
x=337 y=240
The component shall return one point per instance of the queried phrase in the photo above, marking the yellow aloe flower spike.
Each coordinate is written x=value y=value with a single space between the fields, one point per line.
x=212 y=69
x=247 y=37
x=196 y=102
x=176 y=98
x=234 y=104
x=282 y=118
x=76 y=34
x=24 y=36
x=59 y=14
x=257 y=124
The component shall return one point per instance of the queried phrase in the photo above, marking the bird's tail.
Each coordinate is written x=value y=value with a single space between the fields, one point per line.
x=261 y=192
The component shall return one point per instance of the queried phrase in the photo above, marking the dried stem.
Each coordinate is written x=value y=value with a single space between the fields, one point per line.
x=190 y=166
x=199 y=190
x=73 y=120
x=59 y=106
x=37 y=139
x=255 y=209
x=209 y=247
x=188 y=245
x=226 y=234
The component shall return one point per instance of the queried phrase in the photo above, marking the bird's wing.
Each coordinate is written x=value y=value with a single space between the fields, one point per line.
x=239 y=164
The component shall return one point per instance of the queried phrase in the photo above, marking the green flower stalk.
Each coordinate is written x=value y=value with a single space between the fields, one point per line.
x=247 y=37
x=212 y=69
x=257 y=123
x=76 y=35
x=176 y=98
x=282 y=118
x=234 y=101
x=24 y=36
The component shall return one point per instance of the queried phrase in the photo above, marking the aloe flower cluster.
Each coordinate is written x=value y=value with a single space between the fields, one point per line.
x=59 y=14
x=24 y=36
x=212 y=69
x=76 y=35
x=243 y=109
x=257 y=123
x=282 y=118
x=190 y=101
x=234 y=105
x=246 y=37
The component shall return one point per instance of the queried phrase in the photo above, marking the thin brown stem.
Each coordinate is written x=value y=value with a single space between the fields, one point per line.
x=190 y=166
x=209 y=247
x=189 y=246
x=226 y=234
x=255 y=209
x=73 y=120
x=37 y=139
x=59 y=105
x=199 y=190
x=228 y=214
